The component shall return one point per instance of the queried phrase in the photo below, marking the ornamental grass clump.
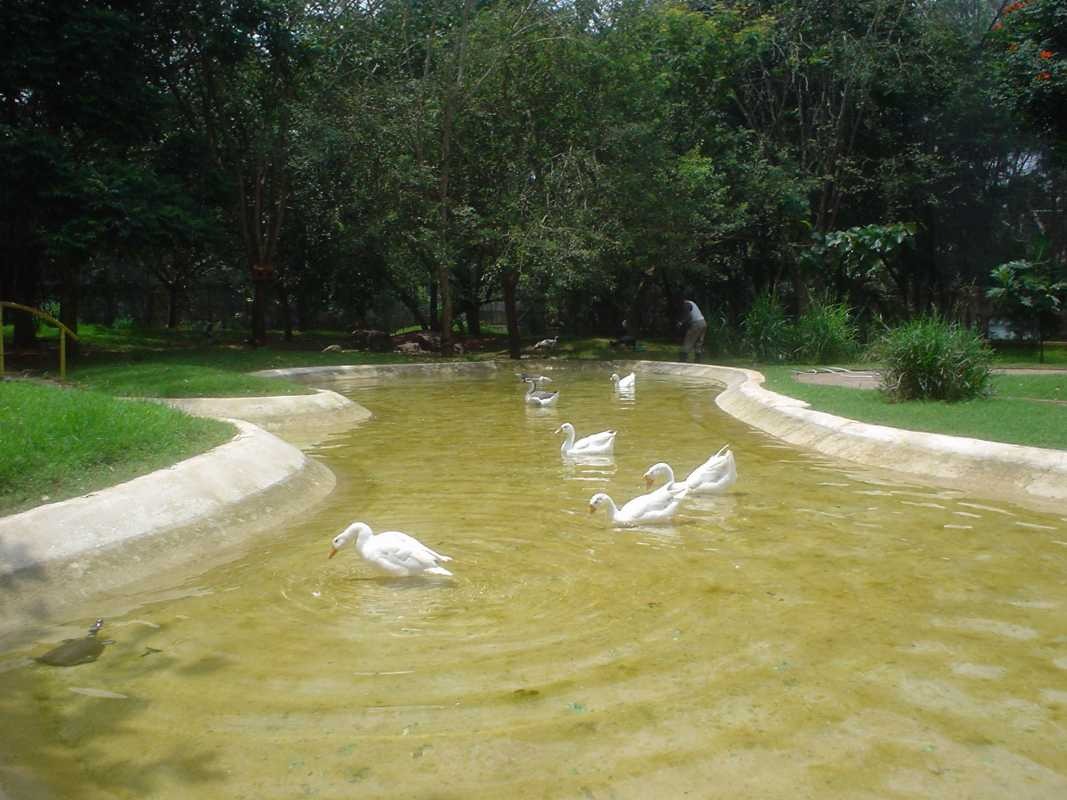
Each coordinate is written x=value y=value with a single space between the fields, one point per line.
x=766 y=331
x=825 y=332
x=931 y=359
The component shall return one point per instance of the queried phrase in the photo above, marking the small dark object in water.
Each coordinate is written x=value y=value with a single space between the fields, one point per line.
x=625 y=341
x=77 y=651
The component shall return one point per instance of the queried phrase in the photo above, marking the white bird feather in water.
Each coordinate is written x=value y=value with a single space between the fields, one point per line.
x=626 y=383
x=645 y=509
x=714 y=476
x=392 y=551
x=594 y=444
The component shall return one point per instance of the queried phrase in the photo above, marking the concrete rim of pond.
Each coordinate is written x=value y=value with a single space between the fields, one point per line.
x=186 y=516
x=1030 y=476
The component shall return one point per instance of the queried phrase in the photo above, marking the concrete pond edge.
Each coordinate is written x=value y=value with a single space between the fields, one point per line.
x=1034 y=477
x=178 y=517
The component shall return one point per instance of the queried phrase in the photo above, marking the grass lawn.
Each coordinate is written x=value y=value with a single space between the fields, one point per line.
x=1010 y=354
x=63 y=442
x=1017 y=413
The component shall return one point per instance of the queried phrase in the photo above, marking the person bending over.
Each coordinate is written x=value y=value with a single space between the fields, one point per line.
x=695 y=328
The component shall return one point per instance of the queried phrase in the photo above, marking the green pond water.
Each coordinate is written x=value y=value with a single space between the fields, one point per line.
x=821 y=631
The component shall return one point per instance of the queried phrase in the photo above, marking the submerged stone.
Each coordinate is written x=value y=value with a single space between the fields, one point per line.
x=76 y=651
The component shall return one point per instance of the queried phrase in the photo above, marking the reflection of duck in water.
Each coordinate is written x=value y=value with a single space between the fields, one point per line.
x=595 y=444
x=714 y=476
x=391 y=551
x=657 y=506
x=77 y=651
x=536 y=396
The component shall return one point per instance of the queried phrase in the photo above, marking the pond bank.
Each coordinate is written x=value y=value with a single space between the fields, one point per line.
x=1031 y=476
x=186 y=516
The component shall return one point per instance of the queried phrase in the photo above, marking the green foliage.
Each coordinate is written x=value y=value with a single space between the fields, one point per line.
x=866 y=258
x=1028 y=295
x=767 y=333
x=929 y=358
x=825 y=332
x=1029 y=53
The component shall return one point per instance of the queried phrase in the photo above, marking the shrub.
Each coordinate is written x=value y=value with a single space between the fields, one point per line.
x=766 y=331
x=932 y=359
x=825 y=332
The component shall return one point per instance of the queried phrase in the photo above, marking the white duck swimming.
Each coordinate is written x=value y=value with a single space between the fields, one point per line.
x=645 y=509
x=392 y=551
x=539 y=397
x=624 y=384
x=596 y=444
x=714 y=476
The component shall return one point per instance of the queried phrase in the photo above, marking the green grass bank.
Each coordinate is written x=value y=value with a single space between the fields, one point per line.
x=1024 y=409
x=63 y=442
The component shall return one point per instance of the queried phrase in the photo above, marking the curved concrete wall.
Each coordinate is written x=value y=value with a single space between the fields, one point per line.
x=1033 y=476
x=300 y=419
x=182 y=495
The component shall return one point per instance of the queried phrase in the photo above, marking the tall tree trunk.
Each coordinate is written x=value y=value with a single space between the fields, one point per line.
x=262 y=278
x=287 y=316
x=172 y=305
x=445 y=290
x=435 y=320
x=473 y=313
x=510 y=281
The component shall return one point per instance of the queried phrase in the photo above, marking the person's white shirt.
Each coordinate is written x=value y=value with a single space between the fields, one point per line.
x=694 y=313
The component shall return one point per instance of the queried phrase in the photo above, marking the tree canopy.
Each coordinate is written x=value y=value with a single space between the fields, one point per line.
x=281 y=164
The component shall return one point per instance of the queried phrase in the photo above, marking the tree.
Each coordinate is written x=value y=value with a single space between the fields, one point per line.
x=76 y=96
x=1030 y=297
x=236 y=73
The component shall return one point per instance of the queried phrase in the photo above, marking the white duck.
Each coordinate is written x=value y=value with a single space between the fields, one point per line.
x=645 y=509
x=392 y=551
x=624 y=384
x=596 y=444
x=539 y=397
x=714 y=476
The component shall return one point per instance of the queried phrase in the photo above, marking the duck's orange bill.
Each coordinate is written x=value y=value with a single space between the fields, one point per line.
x=333 y=552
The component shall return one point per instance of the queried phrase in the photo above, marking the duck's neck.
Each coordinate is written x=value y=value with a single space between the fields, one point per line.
x=568 y=443
x=670 y=475
x=611 y=508
x=530 y=388
x=363 y=538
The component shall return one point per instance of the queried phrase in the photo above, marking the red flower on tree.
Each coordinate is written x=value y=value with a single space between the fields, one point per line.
x=1044 y=76
x=1046 y=54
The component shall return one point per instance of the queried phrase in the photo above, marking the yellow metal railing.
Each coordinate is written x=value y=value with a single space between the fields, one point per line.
x=64 y=332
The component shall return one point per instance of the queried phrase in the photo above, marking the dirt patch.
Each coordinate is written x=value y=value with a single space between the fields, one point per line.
x=867 y=379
